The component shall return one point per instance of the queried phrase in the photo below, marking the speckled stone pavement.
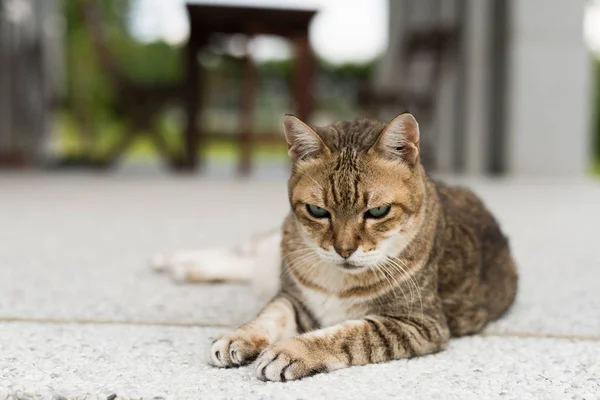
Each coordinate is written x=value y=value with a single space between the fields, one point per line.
x=82 y=316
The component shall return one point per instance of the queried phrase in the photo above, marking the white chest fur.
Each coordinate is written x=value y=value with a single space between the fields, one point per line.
x=330 y=310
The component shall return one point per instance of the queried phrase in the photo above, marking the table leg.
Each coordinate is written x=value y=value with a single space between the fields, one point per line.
x=304 y=75
x=249 y=92
x=192 y=97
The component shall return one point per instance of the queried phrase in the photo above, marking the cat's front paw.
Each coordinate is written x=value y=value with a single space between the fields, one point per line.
x=286 y=361
x=236 y=349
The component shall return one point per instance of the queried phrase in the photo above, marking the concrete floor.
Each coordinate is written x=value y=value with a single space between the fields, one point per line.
x=82 y=315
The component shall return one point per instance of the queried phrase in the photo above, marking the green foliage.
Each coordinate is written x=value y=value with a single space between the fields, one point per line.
x=349 y=71
x=96 y=123
x=358 y=71
x=152 y=63
x=277 y=68
x=85 y=82
x=144 y=63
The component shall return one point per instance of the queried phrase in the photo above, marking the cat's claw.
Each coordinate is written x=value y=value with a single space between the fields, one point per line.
x=235 y=350
x=286 y=362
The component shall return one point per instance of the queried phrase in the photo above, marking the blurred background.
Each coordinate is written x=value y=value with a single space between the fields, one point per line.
x=499 y=87
x=130 y=128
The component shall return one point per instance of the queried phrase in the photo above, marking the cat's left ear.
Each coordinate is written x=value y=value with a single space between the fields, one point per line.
x=399 y=139
x=303 y=142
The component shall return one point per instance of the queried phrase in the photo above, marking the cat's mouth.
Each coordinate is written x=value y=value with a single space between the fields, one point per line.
x=351 y=267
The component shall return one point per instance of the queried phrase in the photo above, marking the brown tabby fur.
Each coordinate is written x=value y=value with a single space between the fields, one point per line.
x=453 y=271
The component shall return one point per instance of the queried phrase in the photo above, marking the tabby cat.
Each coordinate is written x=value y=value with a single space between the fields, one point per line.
x=379 y=261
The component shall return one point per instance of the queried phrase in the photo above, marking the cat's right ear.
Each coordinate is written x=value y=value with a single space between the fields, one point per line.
x=399 y=140
x=303 y=142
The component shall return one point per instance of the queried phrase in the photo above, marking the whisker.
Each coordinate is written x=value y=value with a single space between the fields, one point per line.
x=411 y=280
x=292 y=241
x=386 y=267
x=305 y=262
x=395 y=266
x=416 y=286
x=300 y=261
x=406 y=278
x=291 y=253
x=375 y=269
x=380 y=267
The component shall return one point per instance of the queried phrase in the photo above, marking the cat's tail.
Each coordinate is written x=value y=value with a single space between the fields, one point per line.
x=257 y=261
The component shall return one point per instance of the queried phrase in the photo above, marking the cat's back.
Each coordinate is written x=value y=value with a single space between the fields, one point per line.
x=477 y=277
x=464 y=211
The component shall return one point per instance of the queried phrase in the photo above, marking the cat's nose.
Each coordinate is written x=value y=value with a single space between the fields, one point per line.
x=344 y=251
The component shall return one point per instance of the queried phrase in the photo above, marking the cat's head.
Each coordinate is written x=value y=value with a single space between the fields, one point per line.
x=356 y=188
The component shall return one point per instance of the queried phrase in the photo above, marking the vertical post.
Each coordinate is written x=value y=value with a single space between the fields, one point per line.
x=448 y=100
x=458 y=147
x=477 y=96
x=5 y=95
x=549 y=81
x=304 y=74
x=192 y=99
x=249 y=86
x=496 y=150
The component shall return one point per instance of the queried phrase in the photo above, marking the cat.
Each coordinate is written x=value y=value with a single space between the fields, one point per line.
x=376 y=261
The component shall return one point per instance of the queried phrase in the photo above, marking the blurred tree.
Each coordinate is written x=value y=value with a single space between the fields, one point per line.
x=90 y=97
x=88 y=94
x=359 y=71
x=345 y=71
x=150 y=63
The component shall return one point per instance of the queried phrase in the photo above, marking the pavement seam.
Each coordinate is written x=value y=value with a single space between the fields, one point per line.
x=558 y=336
x=44 y=321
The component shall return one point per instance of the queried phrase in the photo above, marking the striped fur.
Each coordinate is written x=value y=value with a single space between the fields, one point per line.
x=436 y=265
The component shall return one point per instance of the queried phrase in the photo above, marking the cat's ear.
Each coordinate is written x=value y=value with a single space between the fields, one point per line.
x=399 y=139
x=303 y=142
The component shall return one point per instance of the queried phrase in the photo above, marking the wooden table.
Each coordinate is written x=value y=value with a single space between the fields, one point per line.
x=206 y=20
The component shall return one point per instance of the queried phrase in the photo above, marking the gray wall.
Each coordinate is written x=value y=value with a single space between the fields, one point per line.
x=438 y=134
x=517 y=98
x=550 y=89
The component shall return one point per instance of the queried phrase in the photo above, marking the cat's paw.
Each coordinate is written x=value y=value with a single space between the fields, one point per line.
x=236 y=349
x=286 y=361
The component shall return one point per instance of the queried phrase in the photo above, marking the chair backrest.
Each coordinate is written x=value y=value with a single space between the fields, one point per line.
x=420 y=67
x=424 y=52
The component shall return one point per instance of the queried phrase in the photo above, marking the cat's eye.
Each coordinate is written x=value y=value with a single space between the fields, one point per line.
x=378 y=212
x=317 y=211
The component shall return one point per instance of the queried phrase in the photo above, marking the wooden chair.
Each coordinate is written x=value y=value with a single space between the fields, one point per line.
x=435 y=45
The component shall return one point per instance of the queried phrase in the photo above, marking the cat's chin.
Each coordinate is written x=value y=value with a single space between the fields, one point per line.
x=351 y=268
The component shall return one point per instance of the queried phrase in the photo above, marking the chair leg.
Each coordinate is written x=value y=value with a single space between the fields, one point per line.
x=193 y=101
x=304 y=75
x=118 y=150
x=249 y=89
x=162 y=148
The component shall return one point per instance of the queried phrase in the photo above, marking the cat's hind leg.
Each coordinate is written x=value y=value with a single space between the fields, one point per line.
x=257 y=260
x=206 y=265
